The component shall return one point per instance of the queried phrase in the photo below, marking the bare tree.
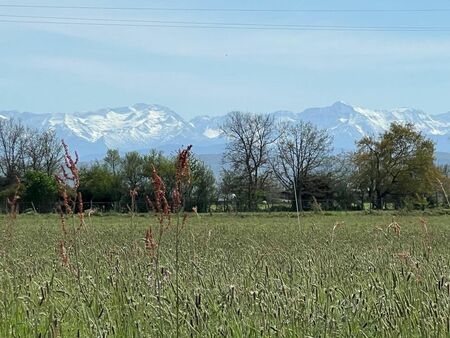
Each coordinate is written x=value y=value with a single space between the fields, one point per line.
x=301 y=150
x=250 y=137
x=44 y=152
x=13 y=142
x=23 y=148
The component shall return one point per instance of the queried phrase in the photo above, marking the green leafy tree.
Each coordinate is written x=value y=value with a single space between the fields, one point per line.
x=164 y=165
x=40 y=189
x=397 y=165
x=98 y=184
x=113 y=161
x=232 y=190
x=132 y=170
x=202 y=190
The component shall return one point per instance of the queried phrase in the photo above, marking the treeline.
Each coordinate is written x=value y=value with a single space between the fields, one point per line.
x=111 y=180
x=266 y=165
x=33 y=159
x=266 y=160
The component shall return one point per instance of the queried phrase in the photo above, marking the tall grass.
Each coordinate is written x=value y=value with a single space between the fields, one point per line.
x=237 y=276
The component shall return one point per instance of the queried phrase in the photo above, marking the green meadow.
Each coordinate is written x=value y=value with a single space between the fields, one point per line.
x=227 y=275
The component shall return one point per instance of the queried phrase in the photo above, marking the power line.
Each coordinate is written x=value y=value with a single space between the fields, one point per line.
x=261 y=27
x=216 y=23
x=271 y=10
x=196 y=24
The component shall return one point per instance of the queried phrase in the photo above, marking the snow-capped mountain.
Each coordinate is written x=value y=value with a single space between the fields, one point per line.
x=137 y=127
x=349 y=123
x=143 y=126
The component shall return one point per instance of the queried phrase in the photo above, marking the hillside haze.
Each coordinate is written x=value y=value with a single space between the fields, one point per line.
x=144 y=126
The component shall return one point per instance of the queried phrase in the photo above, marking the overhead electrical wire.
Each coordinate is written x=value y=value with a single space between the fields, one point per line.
x=200 y=24
x=88 y=21
x=33 y=19
x=271 y=10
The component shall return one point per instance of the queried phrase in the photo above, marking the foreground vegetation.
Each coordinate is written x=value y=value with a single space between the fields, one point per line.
x=342 y=274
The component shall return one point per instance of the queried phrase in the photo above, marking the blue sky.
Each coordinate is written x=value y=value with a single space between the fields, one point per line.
x=65 y=68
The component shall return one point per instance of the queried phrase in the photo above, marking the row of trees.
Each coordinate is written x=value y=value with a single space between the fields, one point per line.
x=33 y=158
x=394 y=169
x=23 y=149
x=265 y=163
x=112 y=179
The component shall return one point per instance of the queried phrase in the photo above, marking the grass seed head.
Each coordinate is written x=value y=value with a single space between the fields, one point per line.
x=396 y=227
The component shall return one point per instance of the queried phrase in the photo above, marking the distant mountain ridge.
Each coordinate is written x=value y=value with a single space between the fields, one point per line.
x=144 y=126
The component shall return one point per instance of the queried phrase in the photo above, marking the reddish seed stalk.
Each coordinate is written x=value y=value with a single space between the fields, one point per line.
x=161 y=204
x=63 y=254
x=80 y=210
x=183 y=176
x=71 y=165
x=63 y=221
x=162 y=207
x=133 y=194
x=150 y=243
x=159 y=187
x=149 y=203
x=67 y=201
x=69 y=179
x=72 y=179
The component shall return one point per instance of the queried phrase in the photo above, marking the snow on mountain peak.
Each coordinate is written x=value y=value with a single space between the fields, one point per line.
x=143 y=126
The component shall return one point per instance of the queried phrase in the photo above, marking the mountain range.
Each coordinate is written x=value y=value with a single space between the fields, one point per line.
x=144 y=126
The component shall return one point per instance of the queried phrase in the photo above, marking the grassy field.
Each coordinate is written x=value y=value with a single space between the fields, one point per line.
x=344 y=274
